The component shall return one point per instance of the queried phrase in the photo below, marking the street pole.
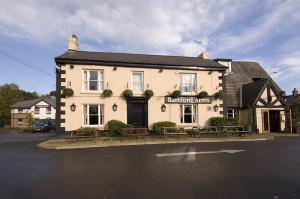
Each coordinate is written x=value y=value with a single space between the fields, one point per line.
x=291 y=125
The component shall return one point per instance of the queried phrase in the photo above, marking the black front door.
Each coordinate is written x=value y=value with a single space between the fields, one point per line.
x=274 y=121
x=137 y=112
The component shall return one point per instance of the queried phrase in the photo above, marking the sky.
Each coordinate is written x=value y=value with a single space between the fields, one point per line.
x=34 y=32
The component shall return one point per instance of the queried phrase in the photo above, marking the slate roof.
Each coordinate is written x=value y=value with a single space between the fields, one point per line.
x=138 y=60
x=251 y=91
x=242 y=72
x=29 y=103
x=290 y=99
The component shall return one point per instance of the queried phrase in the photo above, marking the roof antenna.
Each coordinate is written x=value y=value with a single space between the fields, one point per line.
x=198 y=43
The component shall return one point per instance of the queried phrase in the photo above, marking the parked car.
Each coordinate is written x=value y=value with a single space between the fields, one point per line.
x=43 y=126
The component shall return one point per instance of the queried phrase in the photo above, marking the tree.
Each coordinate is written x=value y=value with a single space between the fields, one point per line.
x=9 y=95
x=296 y=108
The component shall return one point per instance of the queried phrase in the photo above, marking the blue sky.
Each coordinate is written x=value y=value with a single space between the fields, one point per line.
x=34 y=32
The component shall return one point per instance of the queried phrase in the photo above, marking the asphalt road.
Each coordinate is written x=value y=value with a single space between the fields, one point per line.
x=266 y=169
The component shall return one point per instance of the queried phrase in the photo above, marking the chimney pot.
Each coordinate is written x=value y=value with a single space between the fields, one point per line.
x=295 y=92
x=204 y=55
x=73 y=43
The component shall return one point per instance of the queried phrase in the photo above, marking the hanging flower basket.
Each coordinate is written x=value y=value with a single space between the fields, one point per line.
x=218 y=95
x=127 y=93
x=148 y=93
x=176 y=94
x=67 y=92
x=107 y=93
x=202 y=94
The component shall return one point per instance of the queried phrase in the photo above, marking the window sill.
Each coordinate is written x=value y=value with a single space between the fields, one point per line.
x=95 y=126
x=188 y=93
x=91 y=92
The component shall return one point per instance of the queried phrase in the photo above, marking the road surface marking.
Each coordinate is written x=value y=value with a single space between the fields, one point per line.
x=159 y=155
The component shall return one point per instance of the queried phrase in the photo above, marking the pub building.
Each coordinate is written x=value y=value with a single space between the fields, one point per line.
x=89 y=76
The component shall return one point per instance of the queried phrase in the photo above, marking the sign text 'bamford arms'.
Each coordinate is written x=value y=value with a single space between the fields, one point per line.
x=187 y=100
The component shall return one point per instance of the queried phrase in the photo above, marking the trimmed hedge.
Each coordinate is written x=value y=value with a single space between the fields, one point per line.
x=157 y=126
x=87 y=131
x=222 y=121
x=115 y=127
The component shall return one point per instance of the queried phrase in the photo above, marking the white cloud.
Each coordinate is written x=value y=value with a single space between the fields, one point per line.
x=229 y=27
x=164 y=26
x=277 y=18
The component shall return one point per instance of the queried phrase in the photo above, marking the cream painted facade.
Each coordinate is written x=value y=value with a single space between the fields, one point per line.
x=162 y=82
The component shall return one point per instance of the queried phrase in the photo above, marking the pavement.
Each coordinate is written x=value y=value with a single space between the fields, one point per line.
x=264 y=169
x=79 y=143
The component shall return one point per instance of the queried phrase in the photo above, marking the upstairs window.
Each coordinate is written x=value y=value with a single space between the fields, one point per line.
x=37 y=110
x=137 y=82
x=188 y=83
x=20 y=110
x=48 y=110
x=93 y=80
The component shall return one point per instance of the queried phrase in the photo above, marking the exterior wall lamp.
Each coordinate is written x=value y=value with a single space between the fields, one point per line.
x=73 y=107
x=163 y=108
x=216 y=108
x=115 y=107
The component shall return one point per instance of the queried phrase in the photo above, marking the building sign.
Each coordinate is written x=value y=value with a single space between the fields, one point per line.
x=187 y=100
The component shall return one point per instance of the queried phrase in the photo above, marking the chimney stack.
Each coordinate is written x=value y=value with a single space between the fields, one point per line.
x=295 y=92
x=204 y=55
x=73 y=43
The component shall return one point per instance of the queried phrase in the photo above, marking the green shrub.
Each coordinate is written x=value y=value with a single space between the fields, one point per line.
x=176 y=94
x=87 y=131
x=67 y=92
x=127 y=93
x=222 y=121
x=202 y=94
x=157 y=126
x=115 y=127
x=218 y=95
x=107 y=93
x=148 y=93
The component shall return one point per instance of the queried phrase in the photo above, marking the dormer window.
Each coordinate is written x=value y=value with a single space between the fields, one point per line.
x=188 y=83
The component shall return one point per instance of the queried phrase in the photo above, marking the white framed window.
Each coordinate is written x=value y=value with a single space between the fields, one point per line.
x=93 y=80
x=188 y=83
x=20 y=121
x=93 y=115
x=20 y=110
x=232 y=113
x=48 y=110
x=36 y=110
x=137 y=82
x=188 y=113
